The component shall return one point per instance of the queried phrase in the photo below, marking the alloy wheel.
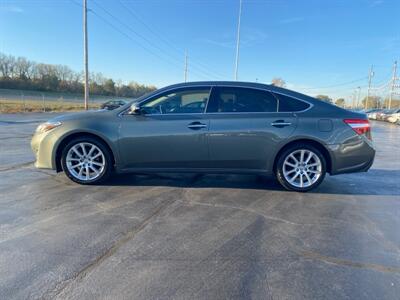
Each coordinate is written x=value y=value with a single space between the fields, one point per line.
x=85 y=161
x=302 y=168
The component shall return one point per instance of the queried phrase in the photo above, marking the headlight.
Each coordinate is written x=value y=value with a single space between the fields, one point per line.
x=49 y=125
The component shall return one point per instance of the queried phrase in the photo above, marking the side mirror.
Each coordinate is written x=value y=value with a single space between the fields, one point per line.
x=135 y=109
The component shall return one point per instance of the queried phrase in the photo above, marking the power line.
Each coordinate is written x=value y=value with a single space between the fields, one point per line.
x=196 y=65
x=127 y=26
x=199 y=66
x=382 y=86
x=336 y=85
x=94 y=12
x=149 y=42
x=77 y=3
x=129 y=37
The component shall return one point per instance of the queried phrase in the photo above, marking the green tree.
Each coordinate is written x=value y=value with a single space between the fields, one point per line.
x=21 y=73
x=325 y=98
x=395 y=103
x=277 y=81
x=373 y=102
x=340 y=102
x=109 y=87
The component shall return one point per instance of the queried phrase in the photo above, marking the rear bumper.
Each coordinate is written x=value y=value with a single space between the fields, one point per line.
x=355 y=155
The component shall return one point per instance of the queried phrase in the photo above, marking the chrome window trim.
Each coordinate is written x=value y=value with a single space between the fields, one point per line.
x=311 y=105
x=176 y=114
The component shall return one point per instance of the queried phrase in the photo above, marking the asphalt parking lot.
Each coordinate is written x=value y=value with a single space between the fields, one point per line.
x=196 y=237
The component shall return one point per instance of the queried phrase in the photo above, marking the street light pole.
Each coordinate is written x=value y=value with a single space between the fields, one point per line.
x=358 y=97
x=353 y=102
x=393 y=84
x=85 y=54
x=370 y=75
x=186 y=66
x=238 y=42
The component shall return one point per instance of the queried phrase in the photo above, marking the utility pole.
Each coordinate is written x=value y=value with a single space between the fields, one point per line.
x=85 y=53
x=353 y=105
x=238 y=42
x=186 y=66
x=394 y=78
x=370 y=75
x=358 y=97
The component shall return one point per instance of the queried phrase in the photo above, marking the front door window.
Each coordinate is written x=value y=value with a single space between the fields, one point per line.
x=178 y=102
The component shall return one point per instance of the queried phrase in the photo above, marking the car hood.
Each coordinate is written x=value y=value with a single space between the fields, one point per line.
x=81 y=115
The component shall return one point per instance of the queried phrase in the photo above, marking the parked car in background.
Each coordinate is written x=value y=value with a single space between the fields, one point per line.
x=380 y=115
x=113 y=104
x=394 y=116
x=371 y=113
x=359 y=110
x=385 y=115
x=210 y=127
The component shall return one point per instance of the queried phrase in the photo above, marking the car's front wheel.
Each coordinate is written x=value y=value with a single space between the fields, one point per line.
x=301 y=168
x=86 y=160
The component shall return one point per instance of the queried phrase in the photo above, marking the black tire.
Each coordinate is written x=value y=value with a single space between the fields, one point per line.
x=281 y=159
x=108 y=165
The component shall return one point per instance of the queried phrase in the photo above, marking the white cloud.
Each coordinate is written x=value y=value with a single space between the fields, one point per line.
x=223 y=44
x=376 y=3
x=291 y=20
x=391 y=44
x=249 y=38
x=11 y=9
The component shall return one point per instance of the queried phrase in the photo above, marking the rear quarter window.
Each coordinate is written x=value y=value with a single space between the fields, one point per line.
x=289 y=104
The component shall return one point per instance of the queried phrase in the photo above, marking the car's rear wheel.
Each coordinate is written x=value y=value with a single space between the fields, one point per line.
x=301 y=167
x=86 y=160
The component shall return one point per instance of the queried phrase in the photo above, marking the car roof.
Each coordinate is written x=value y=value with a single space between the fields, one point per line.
x=245 y=84
x=322 y=105
x=223 y=83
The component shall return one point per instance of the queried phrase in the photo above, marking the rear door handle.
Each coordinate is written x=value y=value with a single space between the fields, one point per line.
x=280 y=123
x=196 y=125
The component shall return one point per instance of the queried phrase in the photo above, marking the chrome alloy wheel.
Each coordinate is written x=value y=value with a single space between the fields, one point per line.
x=85 y=161
x=302 y=168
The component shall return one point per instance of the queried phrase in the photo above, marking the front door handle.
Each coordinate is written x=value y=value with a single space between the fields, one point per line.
x=280 y=123
x=196 y=125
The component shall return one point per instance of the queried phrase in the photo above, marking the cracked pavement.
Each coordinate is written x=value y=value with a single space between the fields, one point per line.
x=196 y=237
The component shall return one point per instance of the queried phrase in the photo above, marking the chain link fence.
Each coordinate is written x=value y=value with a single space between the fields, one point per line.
x=14 y=101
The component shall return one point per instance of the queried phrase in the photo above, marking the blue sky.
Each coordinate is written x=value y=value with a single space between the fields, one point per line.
x=315 y=46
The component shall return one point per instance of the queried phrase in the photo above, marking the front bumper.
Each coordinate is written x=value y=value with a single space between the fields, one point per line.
x=43 y=146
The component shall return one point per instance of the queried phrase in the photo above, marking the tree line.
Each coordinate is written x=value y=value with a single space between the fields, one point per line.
x=371 y=102
x=23 y=74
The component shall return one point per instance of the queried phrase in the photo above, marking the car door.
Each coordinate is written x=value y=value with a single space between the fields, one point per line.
x=168 y=132
x=245 y=128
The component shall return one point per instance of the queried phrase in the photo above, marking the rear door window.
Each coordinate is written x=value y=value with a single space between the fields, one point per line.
x=241 y=100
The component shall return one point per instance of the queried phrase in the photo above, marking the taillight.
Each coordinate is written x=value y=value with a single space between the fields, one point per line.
x=360 y=126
